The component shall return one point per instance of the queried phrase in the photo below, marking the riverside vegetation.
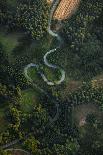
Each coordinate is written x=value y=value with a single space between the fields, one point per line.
x=48 y=122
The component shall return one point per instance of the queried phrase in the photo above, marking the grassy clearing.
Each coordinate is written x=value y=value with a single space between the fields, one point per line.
x=29 y=98
x=3 y=122
x=9 y=41
x=12 y=3
x=33 y=74
x=52 y=74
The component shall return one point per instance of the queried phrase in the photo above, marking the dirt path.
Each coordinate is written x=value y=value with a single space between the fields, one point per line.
x=18 y=151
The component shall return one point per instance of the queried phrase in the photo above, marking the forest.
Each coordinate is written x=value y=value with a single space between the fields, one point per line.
x=38 y=119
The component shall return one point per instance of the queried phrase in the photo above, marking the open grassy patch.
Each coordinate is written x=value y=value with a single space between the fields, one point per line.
x=33 y=74
x=29 y=98
x=12 y=3
x=9 y=41
x=52 y=74
x=3 y=122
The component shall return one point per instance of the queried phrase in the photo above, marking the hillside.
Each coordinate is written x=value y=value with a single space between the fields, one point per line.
x=51 y=77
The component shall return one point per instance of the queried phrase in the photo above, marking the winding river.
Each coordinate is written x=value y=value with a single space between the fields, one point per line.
x=46 y=62
x=62 y=78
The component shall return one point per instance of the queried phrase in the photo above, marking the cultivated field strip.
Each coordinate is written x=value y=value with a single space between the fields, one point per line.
x=65 y=9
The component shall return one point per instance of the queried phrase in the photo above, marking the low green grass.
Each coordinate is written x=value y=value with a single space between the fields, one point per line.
x=12 y=3
x=9 y=41
x=52 y=75
x=32 y=72
x=3 y=122
x=29 y=98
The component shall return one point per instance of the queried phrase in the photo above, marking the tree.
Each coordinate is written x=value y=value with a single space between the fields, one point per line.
x=31 y=144
x=32 y=16
x=70 y=147
x=91 y=141
x=91 y=118
x=4 y=152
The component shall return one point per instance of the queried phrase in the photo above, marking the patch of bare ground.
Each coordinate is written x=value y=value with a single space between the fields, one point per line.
x=97 y=82
x=18 y=152
x=49 y=1
x=70 y=87
x=80 y=113
x=65 y=9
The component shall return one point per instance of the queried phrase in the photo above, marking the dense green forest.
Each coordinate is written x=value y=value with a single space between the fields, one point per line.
x=63 y=120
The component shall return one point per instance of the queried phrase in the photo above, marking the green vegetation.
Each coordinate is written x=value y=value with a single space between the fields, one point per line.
x=29 y=16
x=84 y=44
x=28 y=100
x=9 y=41
x=3 y=122
x=61 y=120
x=33 y=16
x=81 y=111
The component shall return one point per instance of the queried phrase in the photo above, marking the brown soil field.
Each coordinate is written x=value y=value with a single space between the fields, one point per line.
x=65 y=9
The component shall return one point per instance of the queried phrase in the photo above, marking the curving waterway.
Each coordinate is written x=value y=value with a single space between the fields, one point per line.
x=46 y=62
